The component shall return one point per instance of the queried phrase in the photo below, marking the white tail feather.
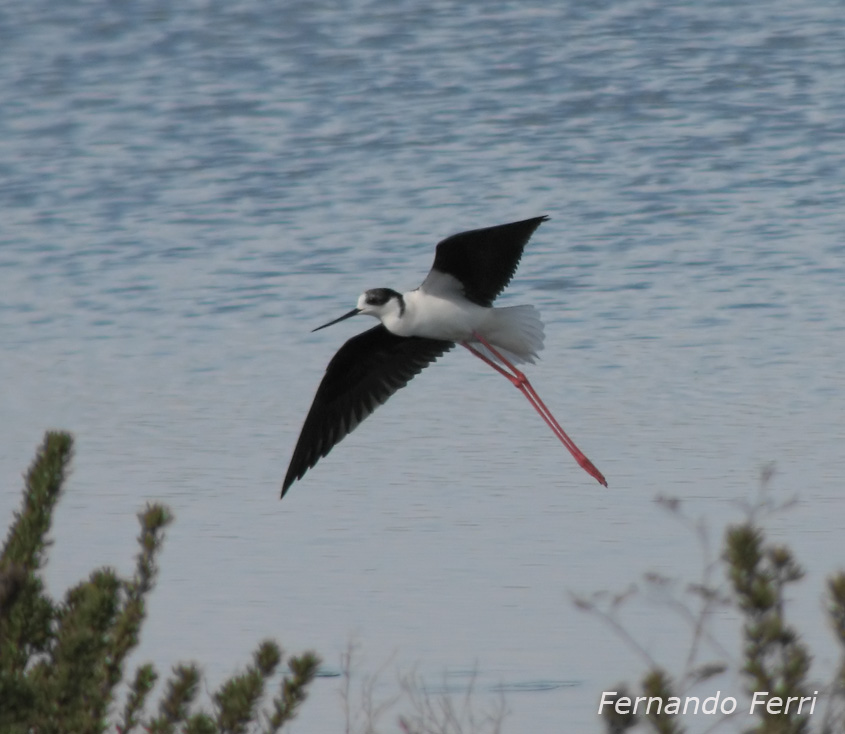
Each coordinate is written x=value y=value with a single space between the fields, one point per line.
x=516 y=331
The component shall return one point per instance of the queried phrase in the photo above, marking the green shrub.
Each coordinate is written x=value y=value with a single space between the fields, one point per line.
x=61 y=663
x=773 y=658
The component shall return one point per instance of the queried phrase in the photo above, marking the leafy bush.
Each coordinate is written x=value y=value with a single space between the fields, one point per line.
x=774 y=659
x=61 y=663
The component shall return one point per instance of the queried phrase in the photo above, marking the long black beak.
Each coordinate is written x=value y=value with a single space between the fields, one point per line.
x=353 y=312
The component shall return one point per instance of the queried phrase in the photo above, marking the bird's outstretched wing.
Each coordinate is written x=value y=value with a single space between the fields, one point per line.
x=363 y=374
x=483 y=261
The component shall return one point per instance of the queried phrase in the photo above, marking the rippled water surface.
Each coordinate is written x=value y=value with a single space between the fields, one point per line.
x=188 y=190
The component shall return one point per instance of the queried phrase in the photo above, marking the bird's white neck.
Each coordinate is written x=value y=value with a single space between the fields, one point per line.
x=417 y=313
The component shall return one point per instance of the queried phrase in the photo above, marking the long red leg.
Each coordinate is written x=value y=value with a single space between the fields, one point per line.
x=520 y=384
x=520 y=381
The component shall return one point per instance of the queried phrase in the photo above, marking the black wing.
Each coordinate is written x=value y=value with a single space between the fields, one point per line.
x=484 y=260
x=363 y=374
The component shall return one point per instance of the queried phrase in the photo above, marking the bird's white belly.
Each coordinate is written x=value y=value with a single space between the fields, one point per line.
x=437 y=318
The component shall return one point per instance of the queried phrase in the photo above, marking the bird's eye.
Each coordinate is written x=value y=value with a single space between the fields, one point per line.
x=377 y=297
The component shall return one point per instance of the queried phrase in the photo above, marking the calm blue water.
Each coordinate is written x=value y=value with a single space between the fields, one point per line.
x=187 y=191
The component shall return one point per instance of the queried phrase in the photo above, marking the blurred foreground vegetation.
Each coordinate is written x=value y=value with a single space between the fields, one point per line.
x=62 y=663
x=751 y=580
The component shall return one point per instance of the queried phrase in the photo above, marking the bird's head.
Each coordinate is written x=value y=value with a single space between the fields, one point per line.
x=377 y=302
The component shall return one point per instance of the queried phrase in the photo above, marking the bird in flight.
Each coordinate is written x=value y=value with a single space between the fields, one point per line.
x=453 y=305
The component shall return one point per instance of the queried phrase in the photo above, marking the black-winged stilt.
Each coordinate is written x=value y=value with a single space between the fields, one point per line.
x=453 y=305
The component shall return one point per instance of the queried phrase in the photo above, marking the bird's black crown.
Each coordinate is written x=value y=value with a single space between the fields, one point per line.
x=380 y=296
